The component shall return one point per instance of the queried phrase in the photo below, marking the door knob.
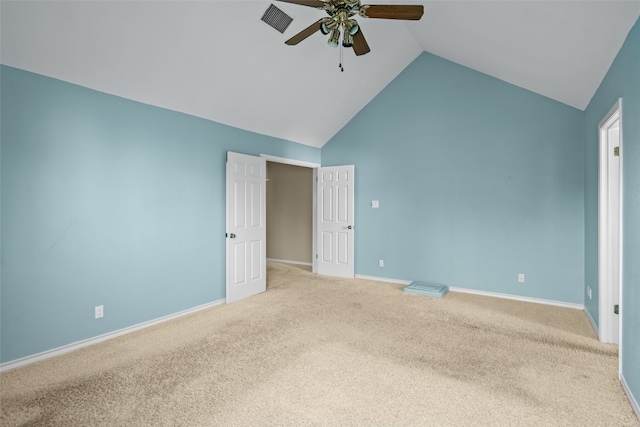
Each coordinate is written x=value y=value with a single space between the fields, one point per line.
x=349 y=227
x=232 y=236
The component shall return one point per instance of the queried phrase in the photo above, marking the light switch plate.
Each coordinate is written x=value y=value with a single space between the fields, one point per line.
x=375 y=204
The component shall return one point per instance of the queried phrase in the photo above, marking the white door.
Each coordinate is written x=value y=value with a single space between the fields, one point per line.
x=609 y=220
x=335 y=214
x=246 y=226
x=614 y=224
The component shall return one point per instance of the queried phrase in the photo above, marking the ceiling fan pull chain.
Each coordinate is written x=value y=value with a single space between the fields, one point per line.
x=341 y=60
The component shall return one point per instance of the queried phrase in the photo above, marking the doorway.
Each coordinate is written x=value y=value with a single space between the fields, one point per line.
x=289 y=214
x=609 y=225
x=332 y=216
x=332 y=234
x=281 y=234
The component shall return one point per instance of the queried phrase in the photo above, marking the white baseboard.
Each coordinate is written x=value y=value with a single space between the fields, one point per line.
x=383 y=279
x=630 y=396
x=485 y=293
x=520 y=298
x=593 y=323
x=286 y=261
x=12 y=364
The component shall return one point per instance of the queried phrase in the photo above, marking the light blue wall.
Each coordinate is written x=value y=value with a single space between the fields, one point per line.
x=622 y=81
x=108 y=201
x=478 y=180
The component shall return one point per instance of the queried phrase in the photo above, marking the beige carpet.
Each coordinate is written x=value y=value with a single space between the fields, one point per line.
x=323 y=352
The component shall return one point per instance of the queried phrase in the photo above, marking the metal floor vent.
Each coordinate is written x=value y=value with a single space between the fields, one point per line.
x=277 y=18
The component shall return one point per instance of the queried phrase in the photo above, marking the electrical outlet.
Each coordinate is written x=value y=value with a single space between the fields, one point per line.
x=380 y=263
x=521 y=277
x=589 y=291
x=99 y=311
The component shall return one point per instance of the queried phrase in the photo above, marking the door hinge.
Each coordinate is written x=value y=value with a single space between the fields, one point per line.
x=616 y=309
x=616 y=151
x=316 y=256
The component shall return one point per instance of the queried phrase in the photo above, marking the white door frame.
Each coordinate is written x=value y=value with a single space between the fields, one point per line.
x=315 y=167
x=605 y=287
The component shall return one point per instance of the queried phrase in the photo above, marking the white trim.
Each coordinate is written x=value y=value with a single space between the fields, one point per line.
x=593 y=322
x=314 y=221
x=100 y=338
x=286 y=261
x=519 y=298
x=270 y=158
x=630 y=396
x=616 y=107
x=485 y=293
x=383 y=279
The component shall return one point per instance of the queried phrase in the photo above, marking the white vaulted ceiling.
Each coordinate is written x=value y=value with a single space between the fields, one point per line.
x=219 y=61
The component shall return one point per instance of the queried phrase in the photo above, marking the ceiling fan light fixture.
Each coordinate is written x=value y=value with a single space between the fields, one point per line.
x=352 y=26
x=327 y=25
x=347 y=39
x=330 y=24
x=334 y=38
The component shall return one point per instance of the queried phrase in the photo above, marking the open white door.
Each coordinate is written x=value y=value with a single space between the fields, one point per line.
x=335 y=214
x=246 y=226
x=609 y=213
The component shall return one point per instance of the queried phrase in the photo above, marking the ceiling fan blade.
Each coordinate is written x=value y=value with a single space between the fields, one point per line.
x=360 y=46
x=311 y=29
x=393 y=11
x=311 y=3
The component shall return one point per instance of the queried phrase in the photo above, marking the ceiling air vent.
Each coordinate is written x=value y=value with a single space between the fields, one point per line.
x=277 y=18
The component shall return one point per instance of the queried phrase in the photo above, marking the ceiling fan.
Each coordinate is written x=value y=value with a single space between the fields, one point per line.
x=342 y=27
